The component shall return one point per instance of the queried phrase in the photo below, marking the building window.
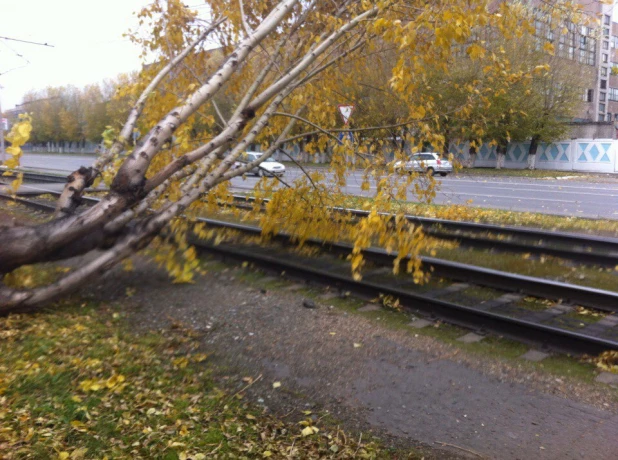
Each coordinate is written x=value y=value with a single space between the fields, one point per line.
x=601 y=117
x=606 y=32
x=601 y=108
x=607 y=20
x=589 y=95
x=613 y=95
x=583 y=40
x=591 y=58
x=602 y=97
x=605 y=58
x=609 y=117
x=604 y=71
x=603 y=84
x=605 y=45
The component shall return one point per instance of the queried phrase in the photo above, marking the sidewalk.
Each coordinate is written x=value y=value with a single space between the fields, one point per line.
x=411 y=388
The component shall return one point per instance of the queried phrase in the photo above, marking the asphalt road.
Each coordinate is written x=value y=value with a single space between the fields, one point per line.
x=581 y=197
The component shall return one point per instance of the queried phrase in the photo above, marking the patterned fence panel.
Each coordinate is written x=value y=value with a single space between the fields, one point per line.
x=486 y=157
x=461 y=152
x=557 y=156
x=597 y=155
x=517 y=155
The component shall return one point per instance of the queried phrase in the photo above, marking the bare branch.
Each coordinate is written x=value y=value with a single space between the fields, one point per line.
x=245 y=24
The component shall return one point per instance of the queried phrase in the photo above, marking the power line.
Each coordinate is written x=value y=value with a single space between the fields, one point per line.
x=27 y=41
x=18 y=55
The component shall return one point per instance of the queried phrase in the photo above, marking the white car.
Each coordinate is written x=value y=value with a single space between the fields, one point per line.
x=425 y=162
x=268 y=167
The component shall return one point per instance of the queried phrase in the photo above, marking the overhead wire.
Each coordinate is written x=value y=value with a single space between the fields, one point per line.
x=17 y=54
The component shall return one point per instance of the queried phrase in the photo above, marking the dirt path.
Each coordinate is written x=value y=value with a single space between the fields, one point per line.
x=410 y=389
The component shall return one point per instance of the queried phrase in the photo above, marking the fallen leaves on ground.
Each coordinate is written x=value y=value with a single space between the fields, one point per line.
x=606 y=361
x=76 y=385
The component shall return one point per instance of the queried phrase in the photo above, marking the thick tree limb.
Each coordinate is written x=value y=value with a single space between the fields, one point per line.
x=131 y=176
x=84 y=177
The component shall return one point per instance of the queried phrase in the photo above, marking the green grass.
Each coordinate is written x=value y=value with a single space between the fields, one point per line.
x=535 y=173
x=76 y=383
x=479 y=171
x=549 y=267
x=465 y=213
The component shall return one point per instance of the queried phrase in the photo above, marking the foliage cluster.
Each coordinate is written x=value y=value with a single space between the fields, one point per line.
x=18 y=136
x=272 y=81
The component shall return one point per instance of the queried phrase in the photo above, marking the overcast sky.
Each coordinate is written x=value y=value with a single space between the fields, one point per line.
x=87 y=39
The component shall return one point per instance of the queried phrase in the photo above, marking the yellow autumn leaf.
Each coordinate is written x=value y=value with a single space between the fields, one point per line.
x=79 y=426
x=549 y=48
x=79 y=453
x=357 y=345
x=309 y=430
x=276 y=384
x=476 y=51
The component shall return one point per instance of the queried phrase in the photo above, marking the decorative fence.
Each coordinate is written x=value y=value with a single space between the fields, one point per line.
x=63 y=147
x=590 y=155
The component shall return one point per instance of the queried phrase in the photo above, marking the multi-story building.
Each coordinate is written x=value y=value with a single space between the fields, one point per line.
x=612 y=71
x=600 y=46
x=594 y=49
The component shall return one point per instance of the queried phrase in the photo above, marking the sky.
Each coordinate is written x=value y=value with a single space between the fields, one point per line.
x=87 y=40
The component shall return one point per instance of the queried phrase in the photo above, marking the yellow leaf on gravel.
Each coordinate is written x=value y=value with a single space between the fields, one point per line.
x=63 y=455
x=308 y=431
x=357 y=345
x=267 y=453
x=250 y=417
x=276 y=384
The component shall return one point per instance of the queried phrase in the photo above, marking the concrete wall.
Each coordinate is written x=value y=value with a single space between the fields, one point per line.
x=591 y=155
x=599 y=130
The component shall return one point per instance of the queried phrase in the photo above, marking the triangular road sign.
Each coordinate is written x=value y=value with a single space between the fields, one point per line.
x=346 y=112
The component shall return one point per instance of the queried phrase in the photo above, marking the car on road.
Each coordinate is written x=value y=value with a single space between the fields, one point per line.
x=429 y=162
x=268 y=167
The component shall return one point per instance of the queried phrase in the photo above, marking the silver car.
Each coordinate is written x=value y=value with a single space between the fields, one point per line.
x=425 y=162
x=268 y=167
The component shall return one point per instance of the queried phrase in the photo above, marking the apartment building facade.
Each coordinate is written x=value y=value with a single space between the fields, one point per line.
x=595 y=47
x=593 y=50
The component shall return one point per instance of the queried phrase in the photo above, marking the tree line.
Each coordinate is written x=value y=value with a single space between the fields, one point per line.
x=72 y=114
x=512 y=88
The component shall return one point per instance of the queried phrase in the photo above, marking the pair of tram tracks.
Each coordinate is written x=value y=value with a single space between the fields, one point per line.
x=558 y=315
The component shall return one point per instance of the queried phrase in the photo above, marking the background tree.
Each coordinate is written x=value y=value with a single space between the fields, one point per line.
x=280 y=61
